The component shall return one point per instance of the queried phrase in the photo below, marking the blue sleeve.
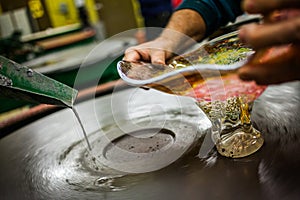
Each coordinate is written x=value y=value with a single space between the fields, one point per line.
x=215 y=13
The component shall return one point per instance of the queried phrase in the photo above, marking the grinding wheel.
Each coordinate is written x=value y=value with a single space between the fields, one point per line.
x=145 y=145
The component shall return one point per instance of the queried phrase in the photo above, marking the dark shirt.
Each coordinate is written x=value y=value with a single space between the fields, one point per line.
x=155 y=7
x=215 y=13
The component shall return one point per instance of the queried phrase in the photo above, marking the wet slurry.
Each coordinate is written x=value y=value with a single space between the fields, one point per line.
x=50 y=160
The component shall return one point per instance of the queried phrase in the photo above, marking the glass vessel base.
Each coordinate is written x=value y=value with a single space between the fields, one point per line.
x=240 y=143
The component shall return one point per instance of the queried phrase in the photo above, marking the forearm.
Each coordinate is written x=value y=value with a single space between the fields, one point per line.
x=188 y=22
x=193 y=21
x=197 y=19
x=184 y=28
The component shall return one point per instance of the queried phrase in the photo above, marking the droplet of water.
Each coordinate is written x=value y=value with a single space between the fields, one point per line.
x=104 y=181
x=29 y=72
x=9 y=82
x=4 y=81
x=108 y=183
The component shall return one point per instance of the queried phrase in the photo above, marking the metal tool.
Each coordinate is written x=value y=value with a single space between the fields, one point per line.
x=22 y=83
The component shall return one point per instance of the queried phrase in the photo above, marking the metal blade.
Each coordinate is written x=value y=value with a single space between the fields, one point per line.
x=22 y=83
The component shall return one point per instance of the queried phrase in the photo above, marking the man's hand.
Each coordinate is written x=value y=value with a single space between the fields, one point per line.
x=156 y=51
x=184 y=29
x=276 y=41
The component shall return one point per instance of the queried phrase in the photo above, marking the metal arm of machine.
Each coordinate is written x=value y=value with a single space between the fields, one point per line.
x=22 y=83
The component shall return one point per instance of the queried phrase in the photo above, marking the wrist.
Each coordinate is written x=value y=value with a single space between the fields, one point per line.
x=174 y=41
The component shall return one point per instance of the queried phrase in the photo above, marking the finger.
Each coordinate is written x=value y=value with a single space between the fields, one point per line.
x=273 y=65
x=266 y=6
x=137 y=54
x=263 y=35
x=131 y=56
x=269 y=74
x=275 y=16
x=158 y=57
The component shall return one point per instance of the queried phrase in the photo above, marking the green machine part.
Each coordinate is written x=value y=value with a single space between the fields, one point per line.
x=22 y=83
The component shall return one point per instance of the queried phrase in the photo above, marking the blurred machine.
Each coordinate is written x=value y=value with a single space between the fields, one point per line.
x=59 y=40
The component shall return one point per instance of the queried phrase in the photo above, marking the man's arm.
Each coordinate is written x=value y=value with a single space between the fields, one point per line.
x=184 y=27
x=191 y=21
